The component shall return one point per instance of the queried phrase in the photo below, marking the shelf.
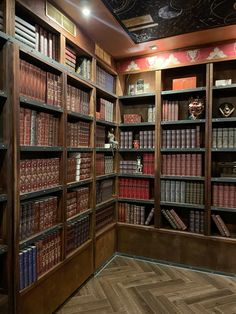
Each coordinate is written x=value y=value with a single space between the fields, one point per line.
x=133 y=150
x=180 y=122
x=41 y=148
x=77 y=76
x=104 y=122
x=141 y=124
x=223 y=120
x=103 y=149
x=183 y=91
x=3 y=146
x=106 y=176
x=184 y=205
x=3 y=94
x=186 y=233
x=4 y=37
x=78 y=216
x=183 y=178
x=144 y=95
x=3 y=198
x=26 y=196
x=139 y=227
x=76 y=184
x=136 y=175
x=105 y=203
x=219 y=150
x=226 y=87
x=39 y=235
x=223 y=209
x=3 y=299
x=104 y=93
x=79 y=249
x=132 y=200
x=34 y=104
x=78 y=115
x=105 y=229
x=3 y=249
x=183 y=150
x=79 y=149
x=224 y=179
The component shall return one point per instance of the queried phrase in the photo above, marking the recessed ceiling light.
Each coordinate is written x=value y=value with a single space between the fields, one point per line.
x=86 y=11
x=154 y=47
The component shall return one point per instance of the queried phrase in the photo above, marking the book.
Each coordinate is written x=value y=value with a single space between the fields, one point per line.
x=149 y=217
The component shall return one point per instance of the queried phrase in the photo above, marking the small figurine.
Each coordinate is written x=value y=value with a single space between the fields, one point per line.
x=139 y=165
x=111 y=139
x=226 y=109
x=196 y=107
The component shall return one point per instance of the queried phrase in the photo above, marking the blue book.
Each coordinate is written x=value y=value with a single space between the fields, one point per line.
x=21 y=270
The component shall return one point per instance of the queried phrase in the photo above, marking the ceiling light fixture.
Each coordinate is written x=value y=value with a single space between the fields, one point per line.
x=154 y=47
x=86 y=11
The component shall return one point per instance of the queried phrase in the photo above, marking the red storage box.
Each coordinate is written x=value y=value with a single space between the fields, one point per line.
x=132 y=118
x=184 y=83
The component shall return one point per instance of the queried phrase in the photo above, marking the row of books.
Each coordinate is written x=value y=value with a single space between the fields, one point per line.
x=104 y=190
x=134 y=214
x=151 y=113
x=224 y=137
x=181 y=138
x=126 y=139
x=182 y=192
x=38 y=174
x=104 y=164
x=105 y=80
x=77 y=201
x=170 y=110
x=40 y=85
x=174 y=219
x=104 y=110
x=37 y=38
x=77 y=100
x=147 y=139
x=196 y=221
x=104 y=217
x=78 y=134
x=37 y=259
x=37 y=215
x=221 y=226
x=134 y=188
x=132 y=166
x=172 y=164
x=77 y=233
x=38 y=128
x=100 y=135
x=79 y=64
x=128 y=166
x=148 y=163
x=79 y=167
x=224 y=195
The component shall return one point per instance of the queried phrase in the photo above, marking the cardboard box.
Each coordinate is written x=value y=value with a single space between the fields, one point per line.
x=184 y=83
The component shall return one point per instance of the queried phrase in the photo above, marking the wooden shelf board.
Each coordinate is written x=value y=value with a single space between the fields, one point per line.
x=183 y=91
x=79 y=149
x=34 y=194
x=4 y=37
x=3 y=249
x=41 y=148
x=78 y=183
x=102 y=92
x=79 y=249
x=136 y=175
x=79 y=216
x=104 y=122
x=3 y=299
x=191 y=178
x=177 y=122
x=105 y=229
x=225 y=150
x=106 y=176
x=3 y=146
x=184 y=205
x=223 y=120
x=186 y=150
x=141 y=124
x=77 y=76
x=132 y=150
x=182 y=232
x=106 y=203
x=137 y=96
x=78 y=115
x=224 y=209
x=132 y=200
x=226 y=87
x=224 y=179
x=3 y=198
x=39 y=235
x=103 y=149
x=39 y=105
x=139 y=227
x=221 y=238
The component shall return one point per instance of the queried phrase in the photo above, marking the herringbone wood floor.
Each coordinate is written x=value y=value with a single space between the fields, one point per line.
x=132 y=286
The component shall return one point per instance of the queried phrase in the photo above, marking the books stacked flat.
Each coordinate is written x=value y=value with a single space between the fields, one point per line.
x=25 y=32
x=70 y=58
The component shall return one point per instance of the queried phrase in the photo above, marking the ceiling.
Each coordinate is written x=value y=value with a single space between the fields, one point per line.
x=189 y=29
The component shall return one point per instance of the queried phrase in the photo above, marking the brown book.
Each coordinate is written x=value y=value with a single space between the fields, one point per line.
x=169 y=219
x=178 y=219
x=223 y=225
x=218 y=225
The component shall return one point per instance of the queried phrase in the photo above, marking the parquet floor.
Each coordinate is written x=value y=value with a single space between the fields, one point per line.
x=132 y=286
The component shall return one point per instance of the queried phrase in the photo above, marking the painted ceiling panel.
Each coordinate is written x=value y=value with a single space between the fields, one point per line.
x=150 y=19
